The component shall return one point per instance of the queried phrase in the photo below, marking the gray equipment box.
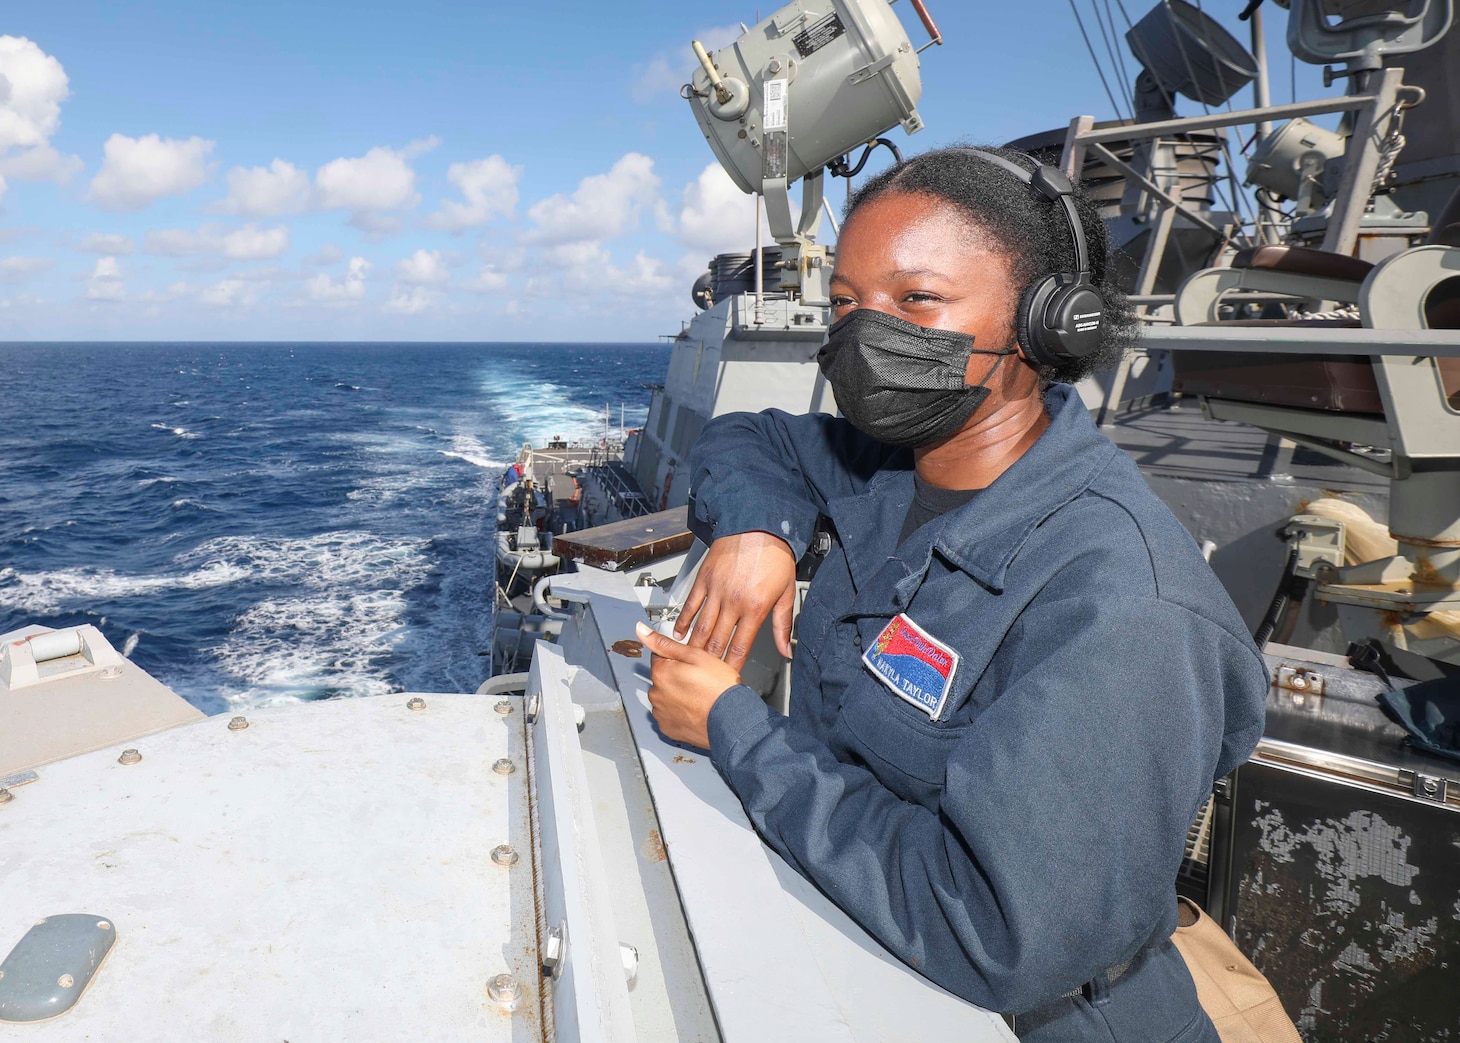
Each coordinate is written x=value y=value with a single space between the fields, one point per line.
x=1334 y=858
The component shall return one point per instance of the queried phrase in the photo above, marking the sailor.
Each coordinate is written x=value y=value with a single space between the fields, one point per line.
x=1015 y=677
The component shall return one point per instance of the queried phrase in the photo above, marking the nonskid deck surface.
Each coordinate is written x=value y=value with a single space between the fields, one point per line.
x=1177 y=441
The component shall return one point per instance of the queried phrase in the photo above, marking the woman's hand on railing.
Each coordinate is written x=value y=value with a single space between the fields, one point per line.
x=744 y=579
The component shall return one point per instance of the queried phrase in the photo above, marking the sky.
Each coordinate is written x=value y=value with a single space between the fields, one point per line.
x=431 y=171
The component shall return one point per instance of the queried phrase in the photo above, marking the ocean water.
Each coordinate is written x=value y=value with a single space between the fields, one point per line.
x=255 y=524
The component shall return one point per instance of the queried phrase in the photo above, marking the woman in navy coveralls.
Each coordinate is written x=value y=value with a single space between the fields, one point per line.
x=1016 y=678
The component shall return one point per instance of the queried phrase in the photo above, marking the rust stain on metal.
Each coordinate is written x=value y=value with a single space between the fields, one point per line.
x=1426 y=541
x=632 y=649
x=653 y=847
x=680 y=758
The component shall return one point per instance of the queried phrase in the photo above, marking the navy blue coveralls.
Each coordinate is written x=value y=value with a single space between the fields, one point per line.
x=1025 y=840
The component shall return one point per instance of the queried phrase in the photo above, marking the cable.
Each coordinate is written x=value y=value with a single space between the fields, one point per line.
x=1263 y=634
x=1120 y=55
x=1216 y=64
x=839 y=167
x=1091 y=50
x=1117 y=70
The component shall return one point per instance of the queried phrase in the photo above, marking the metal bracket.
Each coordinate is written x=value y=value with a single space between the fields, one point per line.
x=871 y=69
x=1303 y=685
x=1431 y=787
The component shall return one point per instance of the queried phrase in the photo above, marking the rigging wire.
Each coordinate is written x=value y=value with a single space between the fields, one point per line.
x=1228 y=185
x=1117 y=70
x=1120 y=55
x=1089 y=48
x=1207 y=42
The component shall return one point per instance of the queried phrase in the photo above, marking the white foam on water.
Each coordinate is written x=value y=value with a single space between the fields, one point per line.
x=534 y=411
x=284 y=650
x=77 y=589
x=392 y=486
x=331 y=559
x=181 y=432
x=470 y=449
x=163 y=479
x=344 y=612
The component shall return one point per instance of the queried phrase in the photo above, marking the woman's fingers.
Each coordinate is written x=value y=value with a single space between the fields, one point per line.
x=703 y=620
x=781 y=619
x=692 y=606
x=725 y=626
x=659 y=644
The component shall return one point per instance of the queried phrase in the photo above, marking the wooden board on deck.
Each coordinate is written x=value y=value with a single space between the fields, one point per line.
x=628 y=544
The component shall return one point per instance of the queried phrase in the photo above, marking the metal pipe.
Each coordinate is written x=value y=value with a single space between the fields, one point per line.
x=759 y=317
x=1164 y=128
x=1306 y=340
x=1261 y=87
x=1267 y=229
x=934 y=37
x=502 y=684
x=836 y=229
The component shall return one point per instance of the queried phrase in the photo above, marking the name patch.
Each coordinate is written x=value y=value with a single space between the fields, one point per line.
x=916 y=666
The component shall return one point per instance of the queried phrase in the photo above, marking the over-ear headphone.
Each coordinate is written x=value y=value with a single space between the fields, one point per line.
x=1060 y=316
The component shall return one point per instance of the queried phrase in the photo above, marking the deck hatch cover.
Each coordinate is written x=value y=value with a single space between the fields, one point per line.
x=50 y=967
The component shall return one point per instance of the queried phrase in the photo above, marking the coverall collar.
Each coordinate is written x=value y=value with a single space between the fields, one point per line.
x=983 y=537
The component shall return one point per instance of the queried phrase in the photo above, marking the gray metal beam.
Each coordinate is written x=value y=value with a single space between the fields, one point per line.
x=1304 y=340
x=1161 y=128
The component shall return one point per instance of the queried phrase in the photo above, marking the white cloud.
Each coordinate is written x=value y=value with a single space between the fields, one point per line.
x=351 y=288
x=488 y=280
x=176 y=291
x=279 y=188
x=230 y=293
x=376 y=226
x=138 y=171
x=489 y=187
x=603 y=205
x=249 y=243
x=411 y=301
x=105 y=281
x=589 y=269
x=422 y=268
x=17 y=269
x=329 y=253
x=32 y=86
x=382 y=179
x=104 y=243
x=661 y=77
x=714 y=215
x=42 y=163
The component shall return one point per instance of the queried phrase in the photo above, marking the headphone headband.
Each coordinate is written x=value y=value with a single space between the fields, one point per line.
x=1051 y=183
x=1060 y=317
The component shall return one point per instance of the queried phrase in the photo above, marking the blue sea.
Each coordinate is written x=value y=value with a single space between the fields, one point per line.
x=263 y=523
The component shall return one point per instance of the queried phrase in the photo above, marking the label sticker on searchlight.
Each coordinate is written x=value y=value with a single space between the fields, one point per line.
x=914 y=664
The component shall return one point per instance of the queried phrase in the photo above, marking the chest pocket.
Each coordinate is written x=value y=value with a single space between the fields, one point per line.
x=902 y=745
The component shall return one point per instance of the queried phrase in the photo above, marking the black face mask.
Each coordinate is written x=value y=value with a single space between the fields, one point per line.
x=902 y=383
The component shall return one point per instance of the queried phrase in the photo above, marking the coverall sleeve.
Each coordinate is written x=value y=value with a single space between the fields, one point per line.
x=1065 y=805
x=775 y=472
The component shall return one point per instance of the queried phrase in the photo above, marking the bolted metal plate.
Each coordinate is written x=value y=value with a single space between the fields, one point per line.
x=50 y=967
x=324 y=874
